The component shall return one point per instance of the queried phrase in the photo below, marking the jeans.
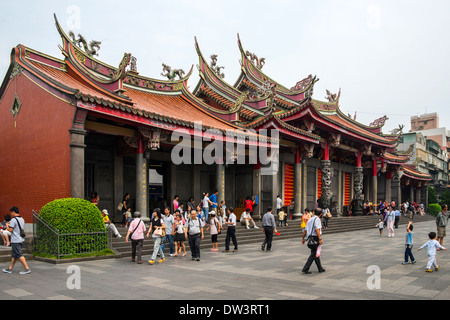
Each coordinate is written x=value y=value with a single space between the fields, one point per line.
x=169 y=237
x=205 y=214
x=408 y=252
x=157 y=248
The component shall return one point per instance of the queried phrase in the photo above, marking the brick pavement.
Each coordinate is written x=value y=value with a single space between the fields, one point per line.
x=249 y=274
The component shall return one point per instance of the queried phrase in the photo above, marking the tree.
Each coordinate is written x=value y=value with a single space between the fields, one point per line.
x=432 y=195
x=445 y=198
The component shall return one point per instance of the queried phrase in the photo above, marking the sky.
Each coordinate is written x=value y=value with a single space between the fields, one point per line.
x=387 y=57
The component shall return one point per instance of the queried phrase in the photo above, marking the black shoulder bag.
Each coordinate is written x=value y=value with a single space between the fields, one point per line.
x=22 y=232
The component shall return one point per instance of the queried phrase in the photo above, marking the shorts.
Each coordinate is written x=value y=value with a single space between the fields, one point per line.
x=214 y=238
x=441 y=232
x=16 y=250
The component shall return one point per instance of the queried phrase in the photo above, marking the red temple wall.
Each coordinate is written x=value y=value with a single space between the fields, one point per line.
x=35 y=159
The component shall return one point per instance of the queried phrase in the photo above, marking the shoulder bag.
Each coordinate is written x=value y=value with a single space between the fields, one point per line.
x=131 y=233
x=22 y=232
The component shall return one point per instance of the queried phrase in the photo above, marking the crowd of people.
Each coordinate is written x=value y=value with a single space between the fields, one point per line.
x=176 y=225
x=406 y=208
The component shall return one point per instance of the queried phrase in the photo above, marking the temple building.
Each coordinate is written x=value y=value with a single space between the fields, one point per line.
x=75 y=124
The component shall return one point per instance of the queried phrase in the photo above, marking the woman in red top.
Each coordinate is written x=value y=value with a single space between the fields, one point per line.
x=249 y=203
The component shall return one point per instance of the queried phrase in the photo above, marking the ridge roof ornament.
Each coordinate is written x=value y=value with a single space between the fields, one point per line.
x=91 y=49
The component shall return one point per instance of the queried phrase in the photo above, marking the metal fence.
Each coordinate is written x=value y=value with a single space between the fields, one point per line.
x=50 y=241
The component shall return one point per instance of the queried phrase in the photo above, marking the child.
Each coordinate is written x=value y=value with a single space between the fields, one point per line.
x=129 y=217
x=409 y=244
x=380 y=226
x=281 y=215
x=431 y=245
x=179 y=236
x=214 y=225
x=221 y=212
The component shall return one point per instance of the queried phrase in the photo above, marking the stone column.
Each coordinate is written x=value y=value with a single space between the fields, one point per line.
x=297 y=184
x=141 y=181
x=358 y=197
x=77 y=147
x=374 y=182
x=388 y=195
x=257 y=186
x=220 y=181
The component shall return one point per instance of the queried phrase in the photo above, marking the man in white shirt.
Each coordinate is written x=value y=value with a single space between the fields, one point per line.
x=313 y=230
x=247 y=219
x=168 y=222
x=279 y=204
x=231 y=231
x=193 y=231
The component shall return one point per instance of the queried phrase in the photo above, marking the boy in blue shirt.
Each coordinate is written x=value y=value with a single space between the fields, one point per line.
x=409 y=244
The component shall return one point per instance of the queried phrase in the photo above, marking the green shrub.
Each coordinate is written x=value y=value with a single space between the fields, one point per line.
x=434 y=209
x=78 y=217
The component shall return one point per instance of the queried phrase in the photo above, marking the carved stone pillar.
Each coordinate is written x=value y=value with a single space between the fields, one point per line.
x=325 y=197
x=358 y=197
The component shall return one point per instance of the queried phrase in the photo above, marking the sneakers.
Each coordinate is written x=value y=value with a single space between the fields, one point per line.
x=437 y=268
x=151 y=261
x=428 y=270
x=26 y=271
x=162 y=260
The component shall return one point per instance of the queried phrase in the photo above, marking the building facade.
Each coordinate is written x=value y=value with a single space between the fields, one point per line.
x=76 y=124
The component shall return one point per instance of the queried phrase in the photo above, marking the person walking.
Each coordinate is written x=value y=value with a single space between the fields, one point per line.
x=169 y=221
x=16 y=225
x=269 y=226
x=313 y=233
x=156 y=228
x=409 y=244
x=432 y=245
x=193 y=231
x=390 y=220
x=179 y=237
x=214 y=227
x=441 y=224
x=397 y=214
x=231 y=231
x=136 y=232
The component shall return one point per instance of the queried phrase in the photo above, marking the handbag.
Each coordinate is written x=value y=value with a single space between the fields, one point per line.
x=160 y=232
x=120 y=206
x=303 y=224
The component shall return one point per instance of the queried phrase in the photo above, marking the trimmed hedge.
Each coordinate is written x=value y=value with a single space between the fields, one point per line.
x=434 y=209
x=71 y=216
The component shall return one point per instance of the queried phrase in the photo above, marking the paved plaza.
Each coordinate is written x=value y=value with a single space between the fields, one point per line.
x=359 y=265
